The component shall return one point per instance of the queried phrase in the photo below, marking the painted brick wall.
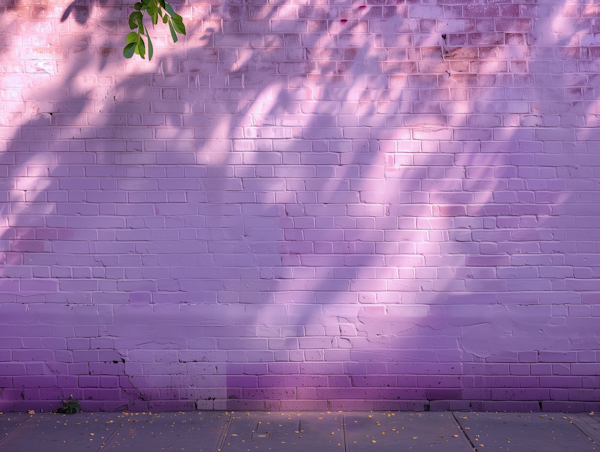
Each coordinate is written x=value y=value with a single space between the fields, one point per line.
x=302 y=205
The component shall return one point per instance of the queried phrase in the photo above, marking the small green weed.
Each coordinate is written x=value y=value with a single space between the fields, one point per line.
x=70 y=406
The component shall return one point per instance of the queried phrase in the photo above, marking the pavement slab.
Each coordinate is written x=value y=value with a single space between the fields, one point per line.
x=184 y=431
x=298 y=432
x=51 y=432
x=517 y=432
x=212 y=431
x=10 y=421
x=394 y=431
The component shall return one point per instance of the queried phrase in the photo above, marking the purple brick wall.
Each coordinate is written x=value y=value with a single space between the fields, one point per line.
x=302 y=205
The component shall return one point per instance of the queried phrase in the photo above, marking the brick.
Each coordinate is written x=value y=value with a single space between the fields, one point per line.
x=585 y=369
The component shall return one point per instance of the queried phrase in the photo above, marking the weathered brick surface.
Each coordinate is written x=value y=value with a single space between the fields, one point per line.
x=349 y=205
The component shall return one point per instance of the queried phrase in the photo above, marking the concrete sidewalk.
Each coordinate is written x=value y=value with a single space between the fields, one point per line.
x=300 y=431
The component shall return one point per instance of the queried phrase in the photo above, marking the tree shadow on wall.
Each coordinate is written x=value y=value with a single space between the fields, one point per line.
x=338 y=258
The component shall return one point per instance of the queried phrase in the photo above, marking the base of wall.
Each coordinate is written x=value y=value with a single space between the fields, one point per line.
x=309 y=405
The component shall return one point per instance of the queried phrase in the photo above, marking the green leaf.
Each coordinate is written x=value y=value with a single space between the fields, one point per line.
x=173 y=34
x=137 y=6
x=165 y=18
x=161 y=3
x=129 y=50
x=141 y=48
x=132 y=37
x=179 y=27
x=135 y=19
x=150 y=48
x=169 y=9
x=173 y=14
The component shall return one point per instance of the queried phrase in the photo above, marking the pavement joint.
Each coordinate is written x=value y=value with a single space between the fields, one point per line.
x=110 y=437
x=225 y=432
x=462 y=430
x=588 y=425
x=9 y=430
x=345 y=433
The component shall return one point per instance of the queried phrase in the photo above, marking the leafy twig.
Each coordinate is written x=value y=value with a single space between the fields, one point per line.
x=155 y=9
